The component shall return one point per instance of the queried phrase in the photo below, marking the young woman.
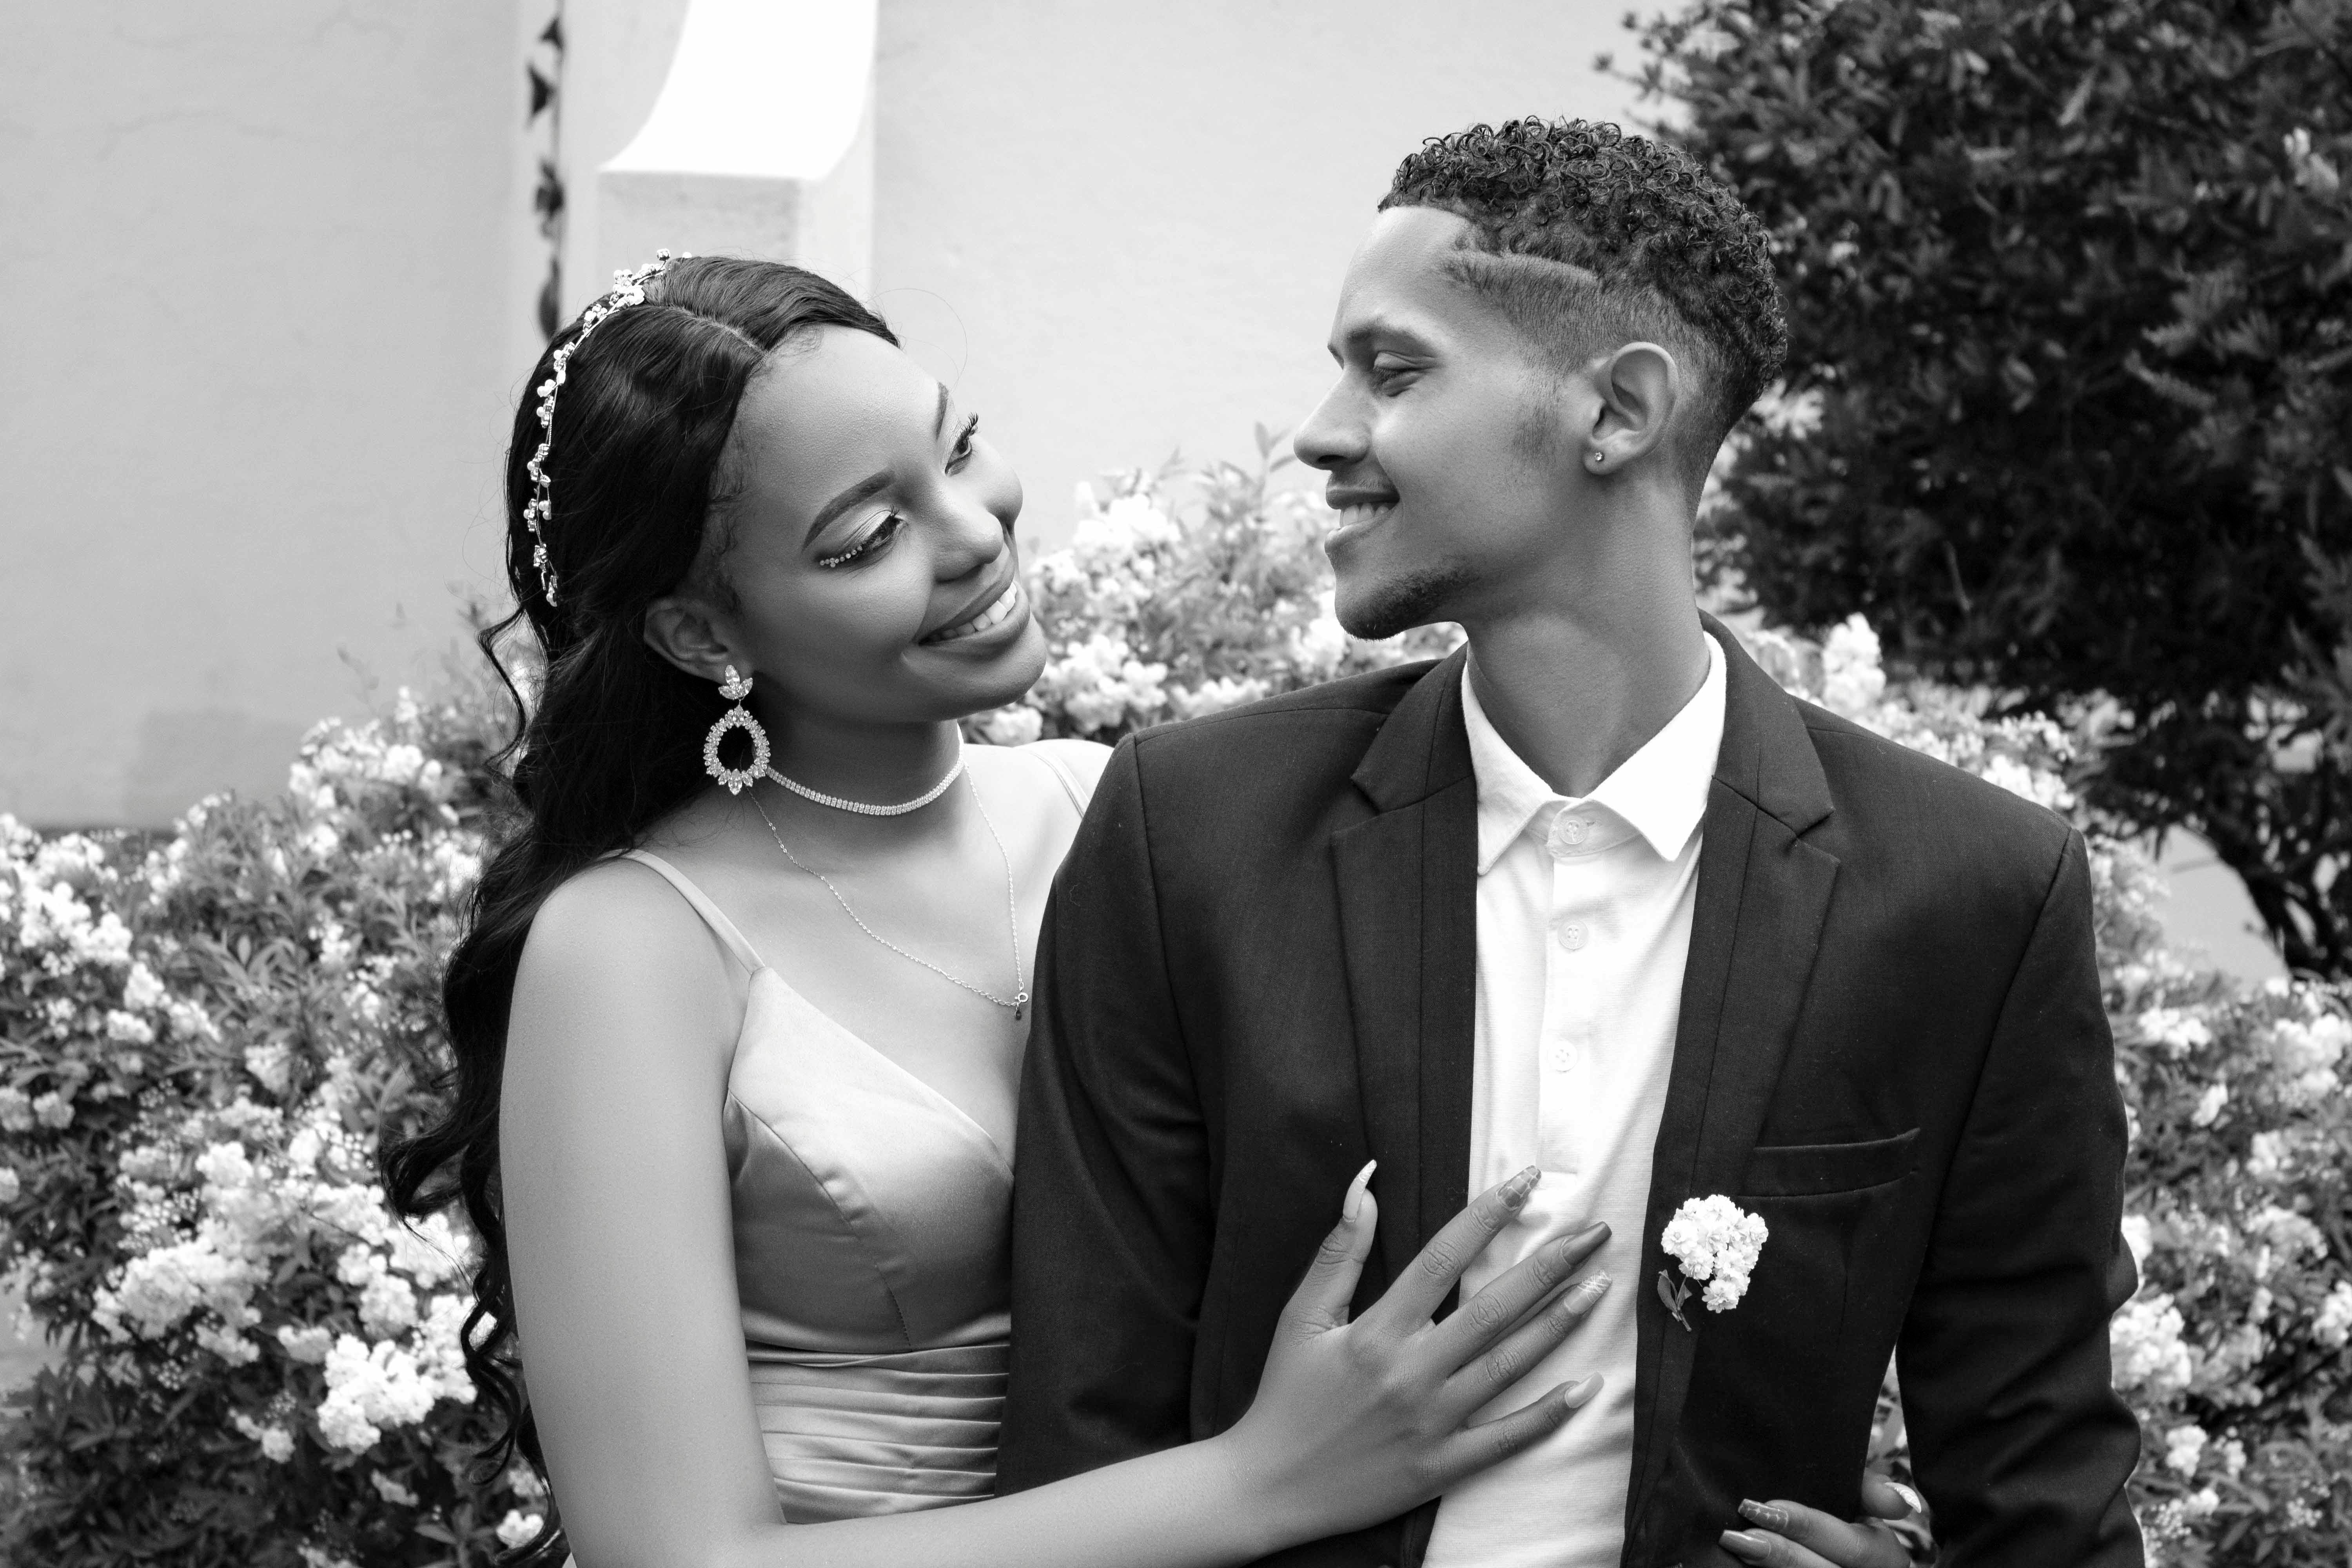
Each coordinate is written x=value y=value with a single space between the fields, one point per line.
x=738 y=1034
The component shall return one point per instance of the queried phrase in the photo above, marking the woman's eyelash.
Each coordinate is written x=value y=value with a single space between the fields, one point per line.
x=891 y=522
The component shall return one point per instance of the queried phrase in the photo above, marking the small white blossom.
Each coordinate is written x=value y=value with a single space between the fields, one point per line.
x=1852 y=679
x=1718 y=1243
x=190 y=1021
x=2144 y=1339
x=1014 y=726
x=2289 y=1232
x=387 y=1305
x=2183 y=1446
x=228 y=1344
x=306 y=1344
x=2266 y=1158
x=272 y=1065
x=391 y=1491
x=2176 y=1029
x=2210 y=1104
x=369 y=1389
x=2332 y=1324
x=427 y=1251
x=1217 y=695
x=517 y=1528
x=129 y=1028
x=10 y=1185
x=141 y=992
x=277 y=1442
x=53 y=1110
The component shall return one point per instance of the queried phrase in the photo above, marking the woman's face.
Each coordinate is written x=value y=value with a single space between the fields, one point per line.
x=872 y=557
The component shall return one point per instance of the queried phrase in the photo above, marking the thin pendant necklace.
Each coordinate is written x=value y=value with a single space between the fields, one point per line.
x=862 y=809
x=1019 y=1003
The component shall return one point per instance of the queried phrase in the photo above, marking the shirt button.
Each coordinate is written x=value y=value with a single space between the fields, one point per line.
x=1572 y=936
x=1574 y=831
x=1562 y=1058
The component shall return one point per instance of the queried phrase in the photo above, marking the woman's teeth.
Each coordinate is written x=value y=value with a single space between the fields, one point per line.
x=1002 y=606
x=1363 y=512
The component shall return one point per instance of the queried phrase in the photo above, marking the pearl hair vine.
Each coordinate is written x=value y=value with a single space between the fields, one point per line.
x=628 y=288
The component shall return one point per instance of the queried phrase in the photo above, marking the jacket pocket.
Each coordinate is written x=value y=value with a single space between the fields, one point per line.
x=1813 y=1170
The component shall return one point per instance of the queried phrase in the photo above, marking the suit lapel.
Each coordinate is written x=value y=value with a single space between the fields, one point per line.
x=1408 y=913
x=1763 y=892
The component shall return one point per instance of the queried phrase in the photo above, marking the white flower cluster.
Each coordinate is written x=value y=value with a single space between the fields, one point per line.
x=288 y=1187
x=1716 y=1242
x=1844 y=675
x=336 y=758
x=2332 y=1324
x=1150 y=619
x=2305 y=1050
x=1101 y=684
x=2175 y=1030
x=2145 y=1343
x=58 y=925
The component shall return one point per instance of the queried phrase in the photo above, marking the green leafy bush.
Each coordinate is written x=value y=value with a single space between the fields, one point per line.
x=202 y=1038
x=2069 y=287
x=202 y=1034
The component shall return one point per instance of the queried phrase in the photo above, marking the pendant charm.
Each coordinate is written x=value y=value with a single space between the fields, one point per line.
x=1019 y=1006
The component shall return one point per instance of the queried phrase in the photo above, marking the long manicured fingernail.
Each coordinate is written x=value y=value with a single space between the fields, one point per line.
x=1353 y=1204
x=1592 y=1290
x=1581 y=1391
x=1515 y=1194
x=1588 y=1229
x=1918 y=1504
x=1742 y=1544
x=1765 y=1514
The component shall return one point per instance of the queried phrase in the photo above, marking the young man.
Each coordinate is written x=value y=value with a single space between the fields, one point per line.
x=1592 y=894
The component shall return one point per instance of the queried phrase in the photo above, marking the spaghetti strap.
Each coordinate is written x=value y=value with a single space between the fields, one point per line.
x=1053 y=756
x=712 y=916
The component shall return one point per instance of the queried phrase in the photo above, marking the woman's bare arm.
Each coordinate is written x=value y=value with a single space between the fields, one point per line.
x=620 y=1239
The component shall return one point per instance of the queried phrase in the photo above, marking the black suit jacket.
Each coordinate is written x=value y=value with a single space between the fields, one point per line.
x=1258 y=972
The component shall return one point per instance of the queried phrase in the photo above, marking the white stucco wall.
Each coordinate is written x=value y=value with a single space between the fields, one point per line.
x=265 y=264
x=1122 y=229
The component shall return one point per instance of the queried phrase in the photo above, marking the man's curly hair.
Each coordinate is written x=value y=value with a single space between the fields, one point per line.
x=1583 y=234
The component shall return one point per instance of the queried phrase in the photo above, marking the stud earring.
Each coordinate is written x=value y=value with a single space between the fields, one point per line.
x=735 y=688
x=1597 y=457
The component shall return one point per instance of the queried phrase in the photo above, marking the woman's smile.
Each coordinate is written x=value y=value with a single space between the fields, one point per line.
x=995 y=622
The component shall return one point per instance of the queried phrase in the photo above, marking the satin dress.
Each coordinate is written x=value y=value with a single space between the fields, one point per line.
x=872 y=1246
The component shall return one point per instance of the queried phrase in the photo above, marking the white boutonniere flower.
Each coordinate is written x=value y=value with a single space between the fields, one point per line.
x=1715 y=1243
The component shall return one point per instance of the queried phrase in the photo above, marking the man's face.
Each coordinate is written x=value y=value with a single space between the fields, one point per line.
x=1447 y=444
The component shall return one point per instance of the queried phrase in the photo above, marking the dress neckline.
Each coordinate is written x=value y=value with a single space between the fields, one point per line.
x=923 y=1086
x=732 y=938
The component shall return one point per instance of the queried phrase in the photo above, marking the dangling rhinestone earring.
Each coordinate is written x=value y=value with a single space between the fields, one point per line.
x=735 y=688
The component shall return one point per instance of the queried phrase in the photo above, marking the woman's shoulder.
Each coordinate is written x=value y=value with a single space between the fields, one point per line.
x=1074 y=767
x=615 y=954
x=615 y=919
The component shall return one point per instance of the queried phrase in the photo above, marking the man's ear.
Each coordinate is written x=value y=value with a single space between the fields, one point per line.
x=694 y=634
x=1641 y=385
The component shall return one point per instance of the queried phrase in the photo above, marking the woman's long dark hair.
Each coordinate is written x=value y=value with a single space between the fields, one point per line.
x=613 y=741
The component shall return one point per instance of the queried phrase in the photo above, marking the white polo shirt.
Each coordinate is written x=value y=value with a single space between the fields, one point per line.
x=1584 y=923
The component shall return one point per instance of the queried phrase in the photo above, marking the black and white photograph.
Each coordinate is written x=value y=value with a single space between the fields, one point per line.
x=1315 y=784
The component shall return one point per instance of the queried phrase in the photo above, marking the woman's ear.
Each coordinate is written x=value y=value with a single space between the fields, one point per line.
x=1640 y=386
x=687 y=630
